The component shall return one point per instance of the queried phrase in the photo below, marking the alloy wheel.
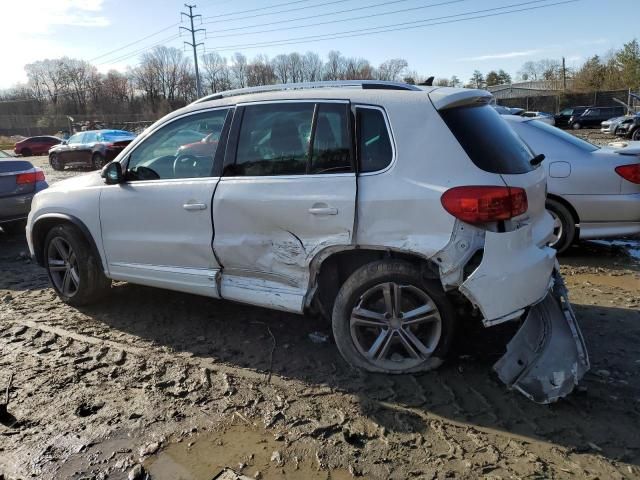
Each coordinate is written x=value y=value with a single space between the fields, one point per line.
x=63 y=266
x=395 y=327
x=558 y=229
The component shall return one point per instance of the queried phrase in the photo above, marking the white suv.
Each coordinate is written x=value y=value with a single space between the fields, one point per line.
x=401 y=213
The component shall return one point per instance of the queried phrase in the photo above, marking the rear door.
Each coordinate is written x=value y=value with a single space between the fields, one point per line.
x=85 y=149
x=68 y=153
x=287 y=192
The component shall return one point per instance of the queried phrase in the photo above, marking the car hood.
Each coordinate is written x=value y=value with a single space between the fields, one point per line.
x=623 y=147
x=92 y=179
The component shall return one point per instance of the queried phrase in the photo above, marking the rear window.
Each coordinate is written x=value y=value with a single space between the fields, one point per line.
x=488 y=140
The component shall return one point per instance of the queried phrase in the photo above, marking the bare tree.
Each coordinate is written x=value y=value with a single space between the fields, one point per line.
x=392 y=69
x=311 y=67
x=334 y=68
x=215 y=72
x=239 y=69
x=280 y=64
x=260 y=72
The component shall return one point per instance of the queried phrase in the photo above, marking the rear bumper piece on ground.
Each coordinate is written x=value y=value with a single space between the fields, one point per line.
x=547 y=357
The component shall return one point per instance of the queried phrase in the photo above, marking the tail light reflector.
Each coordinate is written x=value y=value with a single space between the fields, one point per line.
x=630 y=172
x=30 y=177
x=481 y=204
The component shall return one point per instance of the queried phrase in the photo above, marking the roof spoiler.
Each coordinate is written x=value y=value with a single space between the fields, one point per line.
x=444 y=98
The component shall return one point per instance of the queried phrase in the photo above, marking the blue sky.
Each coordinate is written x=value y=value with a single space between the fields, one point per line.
x=90 y=29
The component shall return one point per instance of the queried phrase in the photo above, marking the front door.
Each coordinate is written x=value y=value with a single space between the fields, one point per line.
x=156 y=226
x=288 y=192
x=69 y=152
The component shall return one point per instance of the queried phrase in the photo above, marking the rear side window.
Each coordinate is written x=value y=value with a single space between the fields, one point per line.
x=374 y=144
x=488 y=140
x=331 y=150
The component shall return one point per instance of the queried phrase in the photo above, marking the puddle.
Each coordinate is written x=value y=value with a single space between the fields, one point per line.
x=205 y=456
x=630 y=246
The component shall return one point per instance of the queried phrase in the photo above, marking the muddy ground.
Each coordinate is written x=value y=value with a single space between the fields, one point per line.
x=184 y=386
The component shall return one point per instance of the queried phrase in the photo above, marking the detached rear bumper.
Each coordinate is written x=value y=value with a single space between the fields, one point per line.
x=547 y=357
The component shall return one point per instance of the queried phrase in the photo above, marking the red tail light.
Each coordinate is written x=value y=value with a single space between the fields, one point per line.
x=630 y=172
x=31 y=177
x=480 y=204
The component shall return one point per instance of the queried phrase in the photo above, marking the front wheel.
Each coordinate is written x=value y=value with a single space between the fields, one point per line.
x=636 y=134
x=576 y=126
x=55 y=162
x=97 y=161
x=74 y=271
x=564 y=226
x=388 y=318
x=26 y=152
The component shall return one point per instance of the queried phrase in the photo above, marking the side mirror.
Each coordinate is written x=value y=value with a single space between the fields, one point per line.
x=64 y=142
x=112 y=173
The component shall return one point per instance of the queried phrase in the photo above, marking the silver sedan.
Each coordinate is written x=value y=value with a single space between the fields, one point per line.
x=593 y=192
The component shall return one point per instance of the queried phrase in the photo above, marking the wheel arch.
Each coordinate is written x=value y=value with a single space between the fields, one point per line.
x=331 y=267
x=46 y=222
x=568 y=206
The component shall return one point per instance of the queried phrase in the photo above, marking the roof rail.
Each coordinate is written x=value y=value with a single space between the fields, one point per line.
x=364 y=84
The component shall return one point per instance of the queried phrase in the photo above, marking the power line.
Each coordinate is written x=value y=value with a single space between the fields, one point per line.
x=133 y=43
x=193 y=43
x=279 y=11
x=392 y=27
x=404 y=10
x=133 y=53
x=262 y=8
x=276 y=22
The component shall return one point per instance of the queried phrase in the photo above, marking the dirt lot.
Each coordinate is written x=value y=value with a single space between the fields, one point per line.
x=184 y=386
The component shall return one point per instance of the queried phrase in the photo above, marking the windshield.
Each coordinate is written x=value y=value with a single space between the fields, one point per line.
x=488 y=140
x=567 y=137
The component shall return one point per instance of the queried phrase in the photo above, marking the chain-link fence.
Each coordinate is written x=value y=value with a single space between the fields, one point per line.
x=30 y=125
x=555 y=103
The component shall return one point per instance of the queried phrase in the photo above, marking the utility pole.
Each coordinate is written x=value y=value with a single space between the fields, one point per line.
x=564 y=75
x=193 y=43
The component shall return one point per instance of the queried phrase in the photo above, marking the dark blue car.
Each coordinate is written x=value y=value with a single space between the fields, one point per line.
x=19 y=182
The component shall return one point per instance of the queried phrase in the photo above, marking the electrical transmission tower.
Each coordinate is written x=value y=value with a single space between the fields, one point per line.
x=193 y=43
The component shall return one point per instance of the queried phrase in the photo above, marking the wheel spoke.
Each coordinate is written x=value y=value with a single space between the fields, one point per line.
x=56 y=265
x=74 y=277
x=396 y=291
x=66 y=281
x=407 y=344
x=419 y=314
x=380 y=346
x=59 y=246
x=367 y=318
x=388 y=298
x=414 y=342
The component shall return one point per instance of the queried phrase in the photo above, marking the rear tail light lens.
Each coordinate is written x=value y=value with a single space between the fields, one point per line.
x=630 y=172
x=482 y=204
x=31 y=177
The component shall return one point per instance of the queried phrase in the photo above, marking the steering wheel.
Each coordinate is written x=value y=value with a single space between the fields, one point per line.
x=184 y=166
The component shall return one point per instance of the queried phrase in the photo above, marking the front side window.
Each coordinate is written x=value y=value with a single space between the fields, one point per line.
x=567 y=111
x=75 y=138
x=374 y=144
x=177 y=150
x=90 y=137
x=593 y=112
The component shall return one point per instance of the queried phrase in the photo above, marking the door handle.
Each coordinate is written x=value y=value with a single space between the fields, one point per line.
x=324 y=210
x=194 y=206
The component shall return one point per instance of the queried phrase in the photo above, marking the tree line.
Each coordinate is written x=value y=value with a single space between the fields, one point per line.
x=164 y=78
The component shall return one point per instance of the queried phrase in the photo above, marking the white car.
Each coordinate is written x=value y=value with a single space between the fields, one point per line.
x=593 y=192
x=540 y=116
x=401 y=213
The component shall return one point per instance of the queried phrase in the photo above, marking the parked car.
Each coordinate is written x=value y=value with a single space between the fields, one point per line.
x=562 y=118
x=593 y=116
x=19 y=182
x=35 y=145
x=541 y=116
x=450 y=220
x=93 y=148
x=593 y=192
x=630 y=128
x=611 y=126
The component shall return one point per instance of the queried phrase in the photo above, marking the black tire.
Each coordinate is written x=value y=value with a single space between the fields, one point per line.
x=576 y=126
x=25 y=152
x=568 y=224
x=636 y=134
x=407 y=275
x=97 y=161
x=14 y=228
x=55 y=162
x=93 y=284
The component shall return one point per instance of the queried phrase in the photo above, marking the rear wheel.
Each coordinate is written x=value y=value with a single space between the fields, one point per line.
x=636 y=134
x=564 y=225
x=74 y=271
x=388 y=318
x=14 y=228
x=26 y=152
x=97 y=161
x=55 y=162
